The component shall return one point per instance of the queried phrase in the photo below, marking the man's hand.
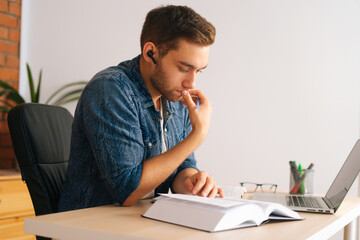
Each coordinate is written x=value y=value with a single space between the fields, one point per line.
x=203 y=184
x=200 y=119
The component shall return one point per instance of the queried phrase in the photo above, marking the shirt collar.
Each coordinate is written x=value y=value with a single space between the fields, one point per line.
x=135 y=76
x=145 y=95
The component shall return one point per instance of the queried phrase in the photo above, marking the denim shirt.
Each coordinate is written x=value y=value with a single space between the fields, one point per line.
x=116 y=129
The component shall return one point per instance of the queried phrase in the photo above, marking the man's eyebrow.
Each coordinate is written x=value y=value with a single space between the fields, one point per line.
x=190 y=65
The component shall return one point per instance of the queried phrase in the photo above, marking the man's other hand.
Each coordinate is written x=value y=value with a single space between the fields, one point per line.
x=203 y=184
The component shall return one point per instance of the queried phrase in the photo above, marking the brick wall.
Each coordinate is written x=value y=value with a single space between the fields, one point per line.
x=10 y=22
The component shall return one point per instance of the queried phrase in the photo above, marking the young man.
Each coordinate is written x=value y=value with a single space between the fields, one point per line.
x=136 y=125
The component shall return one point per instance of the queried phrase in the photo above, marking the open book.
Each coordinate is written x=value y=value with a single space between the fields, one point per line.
x=217 y=214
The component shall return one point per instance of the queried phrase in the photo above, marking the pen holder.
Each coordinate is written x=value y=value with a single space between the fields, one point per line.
x=301 y=181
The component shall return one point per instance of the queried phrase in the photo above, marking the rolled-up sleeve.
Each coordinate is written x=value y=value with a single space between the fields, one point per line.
x=111 y=124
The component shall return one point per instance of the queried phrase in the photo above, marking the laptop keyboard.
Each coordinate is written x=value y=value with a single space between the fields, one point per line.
x=301 y=201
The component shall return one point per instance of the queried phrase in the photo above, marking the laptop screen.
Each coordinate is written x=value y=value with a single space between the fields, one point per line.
x=345 y=177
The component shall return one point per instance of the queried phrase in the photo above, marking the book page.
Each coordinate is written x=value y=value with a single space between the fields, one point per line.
x=275 y=210
x=271 y=210
x=186 y=213
x=217 y=214
x=242 y=216
x=219 y=202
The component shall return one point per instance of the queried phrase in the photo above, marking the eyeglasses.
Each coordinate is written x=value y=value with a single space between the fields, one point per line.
x=265 y=187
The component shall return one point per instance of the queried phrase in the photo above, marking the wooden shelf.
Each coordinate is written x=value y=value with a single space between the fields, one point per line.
x=15 y=205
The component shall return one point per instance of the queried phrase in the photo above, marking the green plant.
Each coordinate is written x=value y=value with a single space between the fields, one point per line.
x=34 y=95
x=68 y=93
x=13 y=97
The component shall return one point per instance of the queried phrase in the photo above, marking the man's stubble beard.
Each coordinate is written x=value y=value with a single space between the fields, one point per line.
x=159 y=83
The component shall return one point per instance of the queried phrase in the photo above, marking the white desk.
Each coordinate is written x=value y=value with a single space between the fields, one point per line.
x=114 y=222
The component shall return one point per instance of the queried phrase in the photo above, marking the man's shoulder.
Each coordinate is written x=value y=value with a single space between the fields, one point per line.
x=113 y=73
x=126 y=76
x=112 y=78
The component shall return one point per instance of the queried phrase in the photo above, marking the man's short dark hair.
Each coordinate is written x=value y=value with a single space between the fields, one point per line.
x=166 y=25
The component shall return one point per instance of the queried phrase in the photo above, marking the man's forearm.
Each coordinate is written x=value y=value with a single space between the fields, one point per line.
x=157 y=169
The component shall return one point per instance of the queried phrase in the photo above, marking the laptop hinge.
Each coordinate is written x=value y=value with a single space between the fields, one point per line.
x=330 y=205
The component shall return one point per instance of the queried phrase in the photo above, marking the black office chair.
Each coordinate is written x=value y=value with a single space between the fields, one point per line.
x=41 y=139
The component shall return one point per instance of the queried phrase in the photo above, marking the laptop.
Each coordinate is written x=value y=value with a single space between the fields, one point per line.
x=334 y=196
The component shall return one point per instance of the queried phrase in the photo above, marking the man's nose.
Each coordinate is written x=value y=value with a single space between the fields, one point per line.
x=189 y=83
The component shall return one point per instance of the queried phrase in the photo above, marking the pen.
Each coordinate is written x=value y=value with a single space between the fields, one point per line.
x=310 y=166
x=197 y=101
x=297 y=184
x=302 y=185
x=293 y=170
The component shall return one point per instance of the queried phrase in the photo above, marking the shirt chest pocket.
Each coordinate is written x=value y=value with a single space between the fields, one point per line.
x=152 y=148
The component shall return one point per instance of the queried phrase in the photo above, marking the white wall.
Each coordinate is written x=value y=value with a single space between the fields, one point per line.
x=283 y=75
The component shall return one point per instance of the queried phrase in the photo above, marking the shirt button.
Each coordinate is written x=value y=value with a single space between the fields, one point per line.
x=150 y=144
x=165 y=129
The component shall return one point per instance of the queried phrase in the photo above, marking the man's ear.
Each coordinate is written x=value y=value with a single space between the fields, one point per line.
x=150 y=52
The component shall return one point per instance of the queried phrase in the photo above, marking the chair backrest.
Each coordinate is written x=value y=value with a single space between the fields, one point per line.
x=41 y=140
